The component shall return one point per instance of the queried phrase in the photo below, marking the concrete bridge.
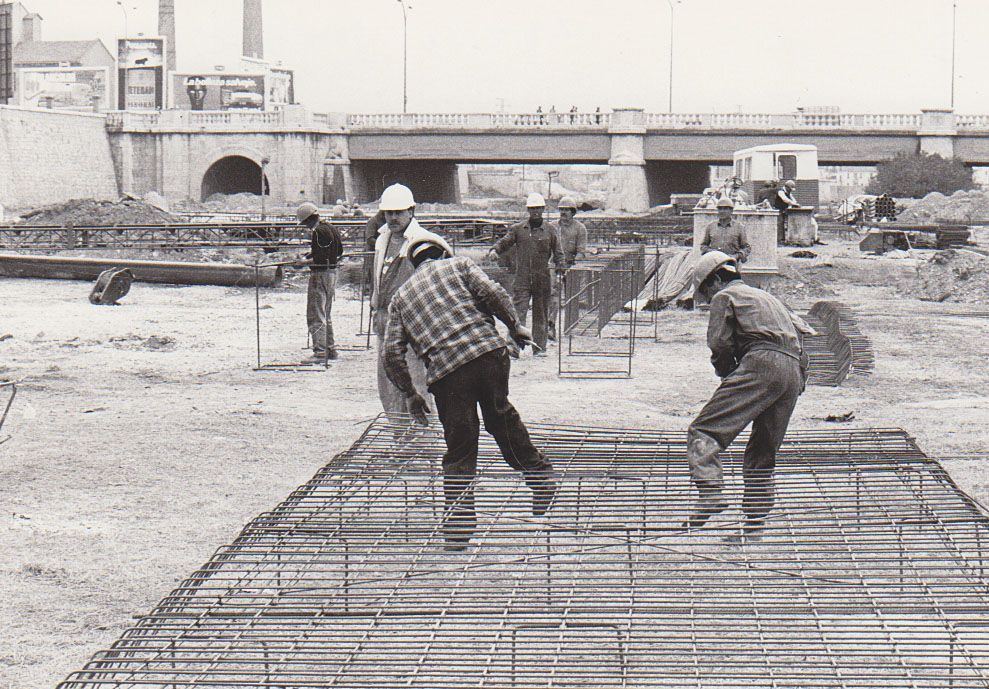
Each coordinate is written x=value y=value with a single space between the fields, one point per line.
x=322 y=157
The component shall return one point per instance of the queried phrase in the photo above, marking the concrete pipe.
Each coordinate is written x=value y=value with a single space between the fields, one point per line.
x=167 y=272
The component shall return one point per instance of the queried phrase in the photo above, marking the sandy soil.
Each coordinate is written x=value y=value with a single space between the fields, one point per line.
x=142 y=439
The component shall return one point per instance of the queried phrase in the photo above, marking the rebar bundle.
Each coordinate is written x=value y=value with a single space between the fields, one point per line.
x=872 y=573
x=839 y=348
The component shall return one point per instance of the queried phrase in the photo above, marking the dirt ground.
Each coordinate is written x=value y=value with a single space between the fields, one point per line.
x=141 y=438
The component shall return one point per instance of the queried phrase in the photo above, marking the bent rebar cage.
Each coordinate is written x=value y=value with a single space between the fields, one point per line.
x=872 y=573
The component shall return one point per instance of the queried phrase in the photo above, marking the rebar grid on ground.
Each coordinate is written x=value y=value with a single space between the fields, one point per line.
x=872 y=573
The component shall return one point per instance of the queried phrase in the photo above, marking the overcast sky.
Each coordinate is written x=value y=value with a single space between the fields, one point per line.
x=485 y=55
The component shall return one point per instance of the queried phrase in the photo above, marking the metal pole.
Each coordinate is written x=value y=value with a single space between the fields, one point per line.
x=264 y=162
x=670 y=106
x=126 y=31
x=954 y=33
x=405 y=57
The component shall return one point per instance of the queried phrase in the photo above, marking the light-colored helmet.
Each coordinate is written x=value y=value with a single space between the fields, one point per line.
x=725 y=202
x=306 y=211
x=535 y=200
x=397 y=197
x=709 y=263
x=790 y=184
x=431 y=240
x=567 y=202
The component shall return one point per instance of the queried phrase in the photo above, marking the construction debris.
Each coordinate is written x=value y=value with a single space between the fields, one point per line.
x=111 y=286
x=962 y=206
x=954 y=275
x=870 y=573
x=87 y=212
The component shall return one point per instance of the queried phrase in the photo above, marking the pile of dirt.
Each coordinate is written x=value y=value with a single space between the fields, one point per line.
x=88 y=212
x=962 y=206
x=954 y=276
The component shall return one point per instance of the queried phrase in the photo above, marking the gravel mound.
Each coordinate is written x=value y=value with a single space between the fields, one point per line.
x=83 y=212
x=961 y=206
x=954 y=276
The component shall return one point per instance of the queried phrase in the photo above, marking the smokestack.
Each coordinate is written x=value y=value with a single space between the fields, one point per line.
x=253 y=30
x=166 y=28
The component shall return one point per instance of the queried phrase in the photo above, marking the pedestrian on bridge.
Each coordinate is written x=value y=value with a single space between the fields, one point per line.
x=446 y=313
x=326 y=248
x=390 y=271
x=757 y=351
x=536 y=243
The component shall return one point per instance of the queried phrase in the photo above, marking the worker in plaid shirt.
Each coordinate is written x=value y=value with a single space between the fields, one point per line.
x=446 y=311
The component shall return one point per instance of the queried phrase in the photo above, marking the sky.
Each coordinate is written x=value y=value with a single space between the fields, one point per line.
x=514 y=55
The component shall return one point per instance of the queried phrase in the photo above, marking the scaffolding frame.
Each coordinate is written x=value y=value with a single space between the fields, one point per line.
x=872 y=573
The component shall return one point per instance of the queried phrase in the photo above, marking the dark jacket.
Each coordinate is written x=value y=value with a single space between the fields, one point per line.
x=326 y=246
x=534 y=250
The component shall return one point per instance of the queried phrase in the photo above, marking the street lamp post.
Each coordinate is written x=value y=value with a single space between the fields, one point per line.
x=405 y=54
x=670 y=106
x=954 y=33
x=122 y=7
x=264 y=163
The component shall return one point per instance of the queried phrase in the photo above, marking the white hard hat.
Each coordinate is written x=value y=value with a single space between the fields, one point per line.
x=535 y=200
x=711 y=262
x=306 y=211
x=567 y=202
x=397 y=197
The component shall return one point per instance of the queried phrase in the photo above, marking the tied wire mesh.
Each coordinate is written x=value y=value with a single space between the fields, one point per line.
x=871 y=573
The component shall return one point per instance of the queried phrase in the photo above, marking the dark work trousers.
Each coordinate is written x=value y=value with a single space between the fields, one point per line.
x=482 y=382
x=781 y=228
x=319 y=307
x=763 y=391
x=539 y=294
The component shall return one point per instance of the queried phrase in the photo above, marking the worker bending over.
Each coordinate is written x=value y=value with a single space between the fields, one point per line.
x=446 y=312
x=390 y=271
x=726 y=235
x=326 y=248
x=536 y=243
x=573 y=243
x=756 y=349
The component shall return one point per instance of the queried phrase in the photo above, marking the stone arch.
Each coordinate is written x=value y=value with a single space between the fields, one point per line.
x=214 y=160
x=233 y=174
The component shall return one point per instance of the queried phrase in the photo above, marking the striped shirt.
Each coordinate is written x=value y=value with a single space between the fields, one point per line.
x=446 y=312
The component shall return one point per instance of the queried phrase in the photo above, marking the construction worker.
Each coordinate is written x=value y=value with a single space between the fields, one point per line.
x=767 y=192
x=535 y=242
x=573 y=243
x=725 y=235
x=757 y=352
x=326 y=248
x=782 y=202
x=390 y=270
x=446 y=312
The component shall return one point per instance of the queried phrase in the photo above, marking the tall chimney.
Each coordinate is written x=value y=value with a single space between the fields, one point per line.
x=166 y=28
x=253 y=30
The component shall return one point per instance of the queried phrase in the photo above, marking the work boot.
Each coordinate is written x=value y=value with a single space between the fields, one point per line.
x=752 y=532
x=543 y=494
x=332 y=354
x=705 y=470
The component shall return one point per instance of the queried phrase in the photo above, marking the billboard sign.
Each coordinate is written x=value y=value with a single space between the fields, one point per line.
x=64 y=88
x=218 y=91
x=6 y=52
x=141 y=69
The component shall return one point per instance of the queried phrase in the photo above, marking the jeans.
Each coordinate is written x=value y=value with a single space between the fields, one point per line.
x=482 y=383
x=762 y=391
x=319 y=306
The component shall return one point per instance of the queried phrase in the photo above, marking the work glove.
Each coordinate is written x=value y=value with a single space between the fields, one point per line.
x=418 y=407
x=492 y=255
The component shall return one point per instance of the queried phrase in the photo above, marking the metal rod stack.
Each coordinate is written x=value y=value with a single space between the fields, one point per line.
x=839 y=348
x=872 y=573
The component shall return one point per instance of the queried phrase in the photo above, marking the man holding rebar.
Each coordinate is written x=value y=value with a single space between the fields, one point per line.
x=536 y=243
x=756 y=348
x=326 y=248
x=446 y=313
x=726 y=235
x=390 y=271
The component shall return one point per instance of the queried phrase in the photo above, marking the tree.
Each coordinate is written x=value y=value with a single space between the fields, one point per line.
x=915 y=176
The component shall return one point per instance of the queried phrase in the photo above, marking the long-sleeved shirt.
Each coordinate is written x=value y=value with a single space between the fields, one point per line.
x=744 y=318
x=573 y=240
x=326 y=246
x=535 y=246
x=446 y=312
x=784 y=200
x=730 y=239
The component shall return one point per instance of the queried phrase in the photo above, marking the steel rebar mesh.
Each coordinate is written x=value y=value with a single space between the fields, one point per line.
x=872 y=573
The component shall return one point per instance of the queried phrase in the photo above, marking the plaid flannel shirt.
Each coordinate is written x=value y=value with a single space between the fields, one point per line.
x=446 y=312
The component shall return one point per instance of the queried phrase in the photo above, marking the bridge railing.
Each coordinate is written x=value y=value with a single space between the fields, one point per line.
x=479 y=120
x=798 y=120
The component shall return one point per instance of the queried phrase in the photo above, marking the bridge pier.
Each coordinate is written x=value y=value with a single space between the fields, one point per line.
x=628 y=188
x=937 y=132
